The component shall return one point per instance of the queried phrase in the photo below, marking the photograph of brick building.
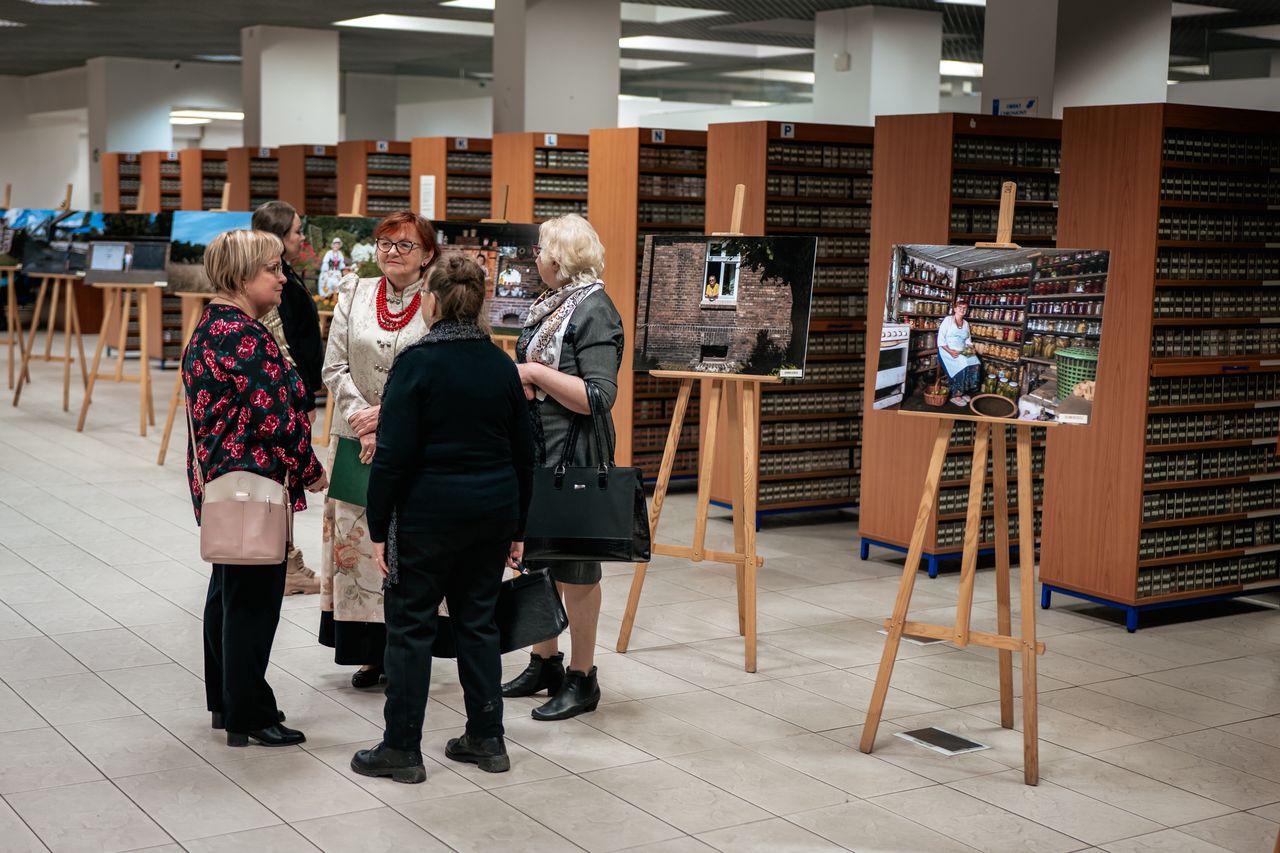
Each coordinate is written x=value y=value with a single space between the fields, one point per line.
x=725 y=305
x=511 y=274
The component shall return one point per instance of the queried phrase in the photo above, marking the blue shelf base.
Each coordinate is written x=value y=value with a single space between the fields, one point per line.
x=791 y=510
x=1131 y=611
x=931 y=559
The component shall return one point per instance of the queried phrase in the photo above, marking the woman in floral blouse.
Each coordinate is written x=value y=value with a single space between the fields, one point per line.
x=246 y=405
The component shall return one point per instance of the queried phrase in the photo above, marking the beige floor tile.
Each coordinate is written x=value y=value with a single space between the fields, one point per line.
x=1131 y=791
x=1232 y=750
x=724 y=717
x=73 y=698
x=165 y=687
x=15 y=714
x=129 y=746
x=526 y=766
x=93 y=817
x=768 y=836
x=1211 y=680
x=1119 y=714
x=376 y=831
x=64 y=615
x=635 y=679
x=651 y=730
x=298 y=786
x=695 y=667
x=14 y=627
x=671 y=795
x=18 y=837
x=599 y=822
x=197 y=802
x=118 y=648
x=27 y=656
x=840 y=765
x=1092 y=821
x=1006 y=746
x=1239 y=833
x=674 y=845
x=1262 y=729
x=1195 y=774
x=1116 y=656
x=1165 y=841
x=796 y=612
x=191 y=726
x=324 y=721
x=572 y=744
x=983 y=670
x=760 y=781
x=930 y=684
x=916 y=759
x=1204 y=710
x=774 y=661
x=976 y=823
x=855 y=691
x=273 y=839
x=140 y=609
x=40 y=758
x=865 y=826
x=795 y=705
x=1066 y=730
x=442 y=781
x=482 y=823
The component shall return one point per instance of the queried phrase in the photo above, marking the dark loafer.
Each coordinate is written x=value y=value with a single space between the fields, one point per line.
x=276 y=735
x=365 y=678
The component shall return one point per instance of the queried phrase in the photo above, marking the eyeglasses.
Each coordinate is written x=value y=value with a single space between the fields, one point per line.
x=275 y=268
x=537 y=250
x=404 y=247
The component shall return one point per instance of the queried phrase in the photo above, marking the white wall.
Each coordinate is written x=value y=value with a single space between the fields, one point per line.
x=442 y=106
x=1019 y=45
x=1111 y=52
x=679 y=115
x=290 y=87
x=40 y=155
x=1260 y=94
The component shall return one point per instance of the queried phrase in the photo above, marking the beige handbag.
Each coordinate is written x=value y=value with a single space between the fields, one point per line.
x=245 y=518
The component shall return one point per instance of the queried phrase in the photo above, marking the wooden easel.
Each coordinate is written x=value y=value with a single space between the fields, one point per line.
x=989 y=433
x=117 y=298
x=357 y=203
x=226 y=199
x=499 y=208
x=8 y=196
x=193 y=303
x=13 y=322
x=64 y=285
x=740 y=392
x=66 y=200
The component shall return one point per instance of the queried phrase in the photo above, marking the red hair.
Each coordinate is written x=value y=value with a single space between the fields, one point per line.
x=408 y=219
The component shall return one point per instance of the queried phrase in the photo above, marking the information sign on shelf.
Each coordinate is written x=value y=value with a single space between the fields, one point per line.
x=1014 y=106
x=788 y=130
x=658 y=136
x=171 y=155
x=549 y=140
x=264 y=152
x=382 y=146
x=461 y=143
x=317 y=150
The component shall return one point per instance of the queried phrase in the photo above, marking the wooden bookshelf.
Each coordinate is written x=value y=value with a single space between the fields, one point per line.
x=463 y=169
x=645 y=181
x=254 y=174
x=806 y=179
x=932 y=172
x=121 y=181
x=202 y=173
x=382 y=167
x=309 y=178
x=545 y=174
x=1170 y=496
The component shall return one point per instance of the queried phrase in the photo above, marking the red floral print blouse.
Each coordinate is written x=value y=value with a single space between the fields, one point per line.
x=247 y=405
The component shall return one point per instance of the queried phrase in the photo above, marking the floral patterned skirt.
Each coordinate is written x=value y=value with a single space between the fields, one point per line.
x=350 y=583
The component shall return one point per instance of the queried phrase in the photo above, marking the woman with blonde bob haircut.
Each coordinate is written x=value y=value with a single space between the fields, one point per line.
x=573 y=335
x=247 y=408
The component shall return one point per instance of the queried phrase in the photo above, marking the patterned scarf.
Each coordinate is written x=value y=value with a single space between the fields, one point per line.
x=442 y=332
x=548 y=319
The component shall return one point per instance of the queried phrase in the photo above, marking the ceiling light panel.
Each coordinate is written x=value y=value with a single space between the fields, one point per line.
x=963 y=2
x=61 y=2
x=470 y=4
x=208 y=115
x=709 y=48
x=219 y=57
x=648 y=13
x=181 y=120
x=416 y=24
x=635 y=63
x=955 y=68
x=779 y=75
x=5 y=22
x=1271 y=32
x=1187 y=10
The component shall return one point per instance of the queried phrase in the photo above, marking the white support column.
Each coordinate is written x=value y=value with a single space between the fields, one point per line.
x=291 y=86
x=1111 y=53
x=555 y=62
x=890 y=60
x=1018 y=50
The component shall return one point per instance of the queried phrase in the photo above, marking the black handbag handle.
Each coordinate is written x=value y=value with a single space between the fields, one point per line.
x=604 y=447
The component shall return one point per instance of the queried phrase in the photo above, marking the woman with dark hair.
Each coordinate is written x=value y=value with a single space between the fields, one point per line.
x=448 y=497
x=375 y=319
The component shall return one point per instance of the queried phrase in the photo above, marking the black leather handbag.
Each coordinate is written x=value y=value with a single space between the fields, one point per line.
x=594 y=512
x=528 y=611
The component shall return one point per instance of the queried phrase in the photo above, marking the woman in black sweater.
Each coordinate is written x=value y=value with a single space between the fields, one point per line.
x=448 y=495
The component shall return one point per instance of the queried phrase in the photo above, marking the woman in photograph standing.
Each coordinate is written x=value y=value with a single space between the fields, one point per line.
x=331 y=267
x=374 y=320
x=247 y=410
x=955 y=350
x=573 y=335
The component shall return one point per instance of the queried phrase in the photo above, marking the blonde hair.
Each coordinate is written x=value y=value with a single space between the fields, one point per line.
x=234 y=257
x=571 y=242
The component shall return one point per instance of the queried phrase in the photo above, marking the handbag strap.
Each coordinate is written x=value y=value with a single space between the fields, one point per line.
x=604 y=446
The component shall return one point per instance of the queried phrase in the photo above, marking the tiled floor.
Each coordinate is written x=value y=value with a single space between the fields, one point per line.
x=1166 y=740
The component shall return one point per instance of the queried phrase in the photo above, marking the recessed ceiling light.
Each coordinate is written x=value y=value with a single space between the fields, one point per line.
x=1199 y=70
x=470 y=4
x=963 y=2
x=5 y=22
x=739 y=102
x=219 y=57
x=781 y=75
x=208 y=115
x=630 y=63
x=180 y=120
x=1187 y=10
x=61 y=2
x=413 y=23
x=955 y=68
x=1270 y=32
x=1172 y=82
x=708 y=48
x=648 y=13
x=626 y=97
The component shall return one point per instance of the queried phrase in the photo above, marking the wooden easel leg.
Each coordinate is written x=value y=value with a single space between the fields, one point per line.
x=748 y=523
x=655 y=509
x=737 y=500
x=24 y=374
x=1027 y=582
x=122 y=337
x=68 y=306
x=113 y=301
x=972 y=532
x=328 y=420
x=189 y=327
x=84 y=363
x=928 y=497
x=145 y=408
x=52 y=320
x=16 y=336
x=706 y=468
x=1000 y=468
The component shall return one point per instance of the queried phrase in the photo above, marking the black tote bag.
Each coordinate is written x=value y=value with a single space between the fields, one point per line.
x=528 y=611
x=595 y=512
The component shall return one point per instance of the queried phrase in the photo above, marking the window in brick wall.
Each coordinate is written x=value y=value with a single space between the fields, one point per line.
x=720 y=284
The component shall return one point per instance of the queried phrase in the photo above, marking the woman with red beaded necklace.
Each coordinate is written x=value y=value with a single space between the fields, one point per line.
x=374 y=320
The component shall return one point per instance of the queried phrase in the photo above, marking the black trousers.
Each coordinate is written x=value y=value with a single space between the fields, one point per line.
x=463 y=567
x=241 y=612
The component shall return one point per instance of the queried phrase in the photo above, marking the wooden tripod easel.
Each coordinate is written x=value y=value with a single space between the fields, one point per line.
x=118 y=298
x=53 y=286
x=740 y=392
x=989 y=433
x=193 y=303
x=13 y=321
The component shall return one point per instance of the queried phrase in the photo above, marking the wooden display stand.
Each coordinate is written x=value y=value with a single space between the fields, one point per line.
x=63 y=285
x=118 y=298
x=192 y=307
x=741 y=393
x=989 y=433
x=13 y=322
x=522 y=161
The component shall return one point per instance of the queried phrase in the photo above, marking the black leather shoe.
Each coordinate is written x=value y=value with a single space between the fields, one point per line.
x=218 y=723
x=368 y=677
x=401 y=765
x=489 y=754
x=580 y=694
x=276 y=735
x=541 y=674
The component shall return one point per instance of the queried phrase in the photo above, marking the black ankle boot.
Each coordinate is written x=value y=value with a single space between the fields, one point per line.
x=368 y=677
x=578 y=695
x=489 y=754
x=541 y=674
x=216 y=721
x=276 y=735
x=401 y=765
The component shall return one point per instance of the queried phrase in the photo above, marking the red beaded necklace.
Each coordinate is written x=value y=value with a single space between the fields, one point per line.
x=395 y=322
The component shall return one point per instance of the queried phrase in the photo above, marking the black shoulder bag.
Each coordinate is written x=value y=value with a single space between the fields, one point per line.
x=594 y=512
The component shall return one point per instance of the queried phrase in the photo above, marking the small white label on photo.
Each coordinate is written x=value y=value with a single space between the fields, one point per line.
x=791 y=373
